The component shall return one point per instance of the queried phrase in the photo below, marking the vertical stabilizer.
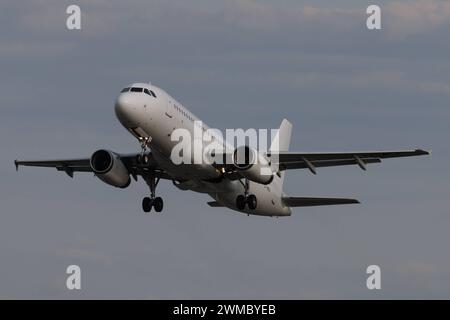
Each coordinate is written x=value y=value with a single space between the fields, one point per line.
x=281 y=142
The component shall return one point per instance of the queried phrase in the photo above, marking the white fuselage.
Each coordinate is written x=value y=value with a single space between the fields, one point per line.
x=155 y=118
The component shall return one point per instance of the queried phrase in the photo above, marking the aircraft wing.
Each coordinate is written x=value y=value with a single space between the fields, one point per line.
x=299 y=160
x=70 y=166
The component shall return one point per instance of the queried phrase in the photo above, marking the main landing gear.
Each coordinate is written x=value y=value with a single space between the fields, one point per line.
x=143 y=159
x=152 y=201
x=250 y=200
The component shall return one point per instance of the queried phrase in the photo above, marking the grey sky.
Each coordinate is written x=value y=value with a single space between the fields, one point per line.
x=235 y=64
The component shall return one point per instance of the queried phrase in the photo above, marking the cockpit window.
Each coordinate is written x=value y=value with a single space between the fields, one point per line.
x=149 y=92
x=136 y=89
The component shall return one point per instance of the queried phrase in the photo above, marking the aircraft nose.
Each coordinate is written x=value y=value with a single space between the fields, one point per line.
x=125 y=109
x=123 y=105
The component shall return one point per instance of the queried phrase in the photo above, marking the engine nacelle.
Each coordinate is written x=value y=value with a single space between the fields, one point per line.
x=108 y=167
x=252 y=165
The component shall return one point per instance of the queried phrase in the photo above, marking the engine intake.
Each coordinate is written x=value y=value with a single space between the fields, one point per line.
x=109 y=168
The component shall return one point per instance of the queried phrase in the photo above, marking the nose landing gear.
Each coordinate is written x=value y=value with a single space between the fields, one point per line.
x=144 y=143
x=148 y=203
x=143 y=157
x=250 y=200
x=152 y=201
x=148 y=174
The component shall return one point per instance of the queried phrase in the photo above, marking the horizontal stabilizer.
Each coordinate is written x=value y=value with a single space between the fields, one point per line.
x=309 y=202
x=214 y=204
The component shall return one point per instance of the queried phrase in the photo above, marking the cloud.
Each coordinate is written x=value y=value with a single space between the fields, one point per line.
x=416 y=17
x=85 y=255
x=21 y=49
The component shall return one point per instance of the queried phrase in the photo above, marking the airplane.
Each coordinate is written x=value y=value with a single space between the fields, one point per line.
x=150 y=114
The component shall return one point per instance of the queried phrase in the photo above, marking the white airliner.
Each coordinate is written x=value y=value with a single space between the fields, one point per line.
x=151 y=115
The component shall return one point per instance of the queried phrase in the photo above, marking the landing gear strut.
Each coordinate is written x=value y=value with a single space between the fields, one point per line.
x=143 y=158
x=242 y=200
x=144 y=142
x=152 y=201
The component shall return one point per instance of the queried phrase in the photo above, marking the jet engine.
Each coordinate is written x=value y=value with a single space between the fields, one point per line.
x=252 y=165
x=108 y=167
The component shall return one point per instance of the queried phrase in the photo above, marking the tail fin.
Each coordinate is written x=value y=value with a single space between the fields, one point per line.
x=281 y=142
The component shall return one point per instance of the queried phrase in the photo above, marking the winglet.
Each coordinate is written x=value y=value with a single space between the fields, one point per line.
x=16 y=163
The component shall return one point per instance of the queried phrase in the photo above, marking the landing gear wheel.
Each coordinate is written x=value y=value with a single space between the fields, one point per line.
x=147 y=204
x=240 y=202
x=152 y=182
x=252 y=202
x=158 y=204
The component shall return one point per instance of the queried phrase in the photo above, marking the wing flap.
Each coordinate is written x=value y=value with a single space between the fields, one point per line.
x=311 y=156
x=324 y=163
x=299 y=160
x=68 y=163
x=310 y=202
x=70 y=166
